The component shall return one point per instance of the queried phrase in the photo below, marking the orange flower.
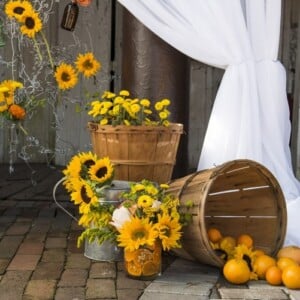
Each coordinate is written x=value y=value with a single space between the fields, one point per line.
x=17 y=111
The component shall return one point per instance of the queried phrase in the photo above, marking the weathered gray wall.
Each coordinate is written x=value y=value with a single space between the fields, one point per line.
x=93 y=30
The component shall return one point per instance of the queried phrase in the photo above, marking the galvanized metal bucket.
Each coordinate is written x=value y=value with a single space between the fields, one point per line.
x=106 y=251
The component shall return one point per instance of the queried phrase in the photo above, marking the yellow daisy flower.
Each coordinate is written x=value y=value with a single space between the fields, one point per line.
x=135 y=233
x=65 y=76
x=144 y=201
x=124 y=93
x=87 y=64
x=16 y=9
x=32 y=24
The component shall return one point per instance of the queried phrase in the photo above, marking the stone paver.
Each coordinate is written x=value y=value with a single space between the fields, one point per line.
x=40 y=261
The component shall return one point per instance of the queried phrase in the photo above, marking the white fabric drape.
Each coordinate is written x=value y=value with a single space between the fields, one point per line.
x=250 y=117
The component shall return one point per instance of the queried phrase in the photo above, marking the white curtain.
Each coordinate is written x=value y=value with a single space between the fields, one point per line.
x=250 y=117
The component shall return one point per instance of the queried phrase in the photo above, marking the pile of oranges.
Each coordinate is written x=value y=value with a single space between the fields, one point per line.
x=243 y=262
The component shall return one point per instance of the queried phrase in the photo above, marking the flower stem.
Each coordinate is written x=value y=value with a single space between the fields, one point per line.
x=37 y=49
x=48 y=50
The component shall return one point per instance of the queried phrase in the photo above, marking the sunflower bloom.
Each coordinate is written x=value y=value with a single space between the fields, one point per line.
x=16 y=9
x=66 y=76
x=168 y=231
x=101 y=171
x=32 y=24
x=135 y=233
x=87 y=64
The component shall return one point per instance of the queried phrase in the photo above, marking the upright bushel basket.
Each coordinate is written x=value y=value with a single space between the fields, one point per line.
x=138 y=152
x=239 y=196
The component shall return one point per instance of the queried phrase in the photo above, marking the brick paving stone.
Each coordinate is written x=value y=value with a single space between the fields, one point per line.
x=48 y=270
x=30 y=247
x=100 y=289
x=40 y=289
x=73 y=277
x=24 y=262
x=132 y=294
x=53 y=255
x=39 y=228
x=56 y=242
x=18 y=229
x=75 y=260
x=35 y=237
x=12 y=284
x=103 y=270
x=124 y=282
x=71 y=293
x=9 y=245
x=3 y=265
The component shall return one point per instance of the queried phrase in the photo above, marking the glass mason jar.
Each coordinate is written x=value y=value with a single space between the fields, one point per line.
x=144 y=263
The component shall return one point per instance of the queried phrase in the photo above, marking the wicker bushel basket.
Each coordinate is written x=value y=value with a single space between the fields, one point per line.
x=239 y=196
x=138 y=152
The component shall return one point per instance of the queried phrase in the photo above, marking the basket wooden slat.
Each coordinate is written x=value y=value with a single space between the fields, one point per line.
x=138 y=152
x=237 y=197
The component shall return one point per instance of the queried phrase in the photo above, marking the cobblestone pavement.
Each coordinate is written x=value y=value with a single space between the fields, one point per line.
x=39 y=260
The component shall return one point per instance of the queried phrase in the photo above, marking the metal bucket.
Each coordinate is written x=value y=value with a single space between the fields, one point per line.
x=107 y=251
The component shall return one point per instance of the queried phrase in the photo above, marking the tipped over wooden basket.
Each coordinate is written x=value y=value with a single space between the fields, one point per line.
x=239 y=196
x=138 y=152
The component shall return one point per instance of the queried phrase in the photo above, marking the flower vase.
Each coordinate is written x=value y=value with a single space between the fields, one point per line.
x=143 y=263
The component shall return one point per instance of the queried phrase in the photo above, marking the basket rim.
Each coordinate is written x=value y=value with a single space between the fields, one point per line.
x=173 y=127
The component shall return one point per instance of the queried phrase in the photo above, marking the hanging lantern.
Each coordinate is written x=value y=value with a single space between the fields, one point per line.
x=2 y=41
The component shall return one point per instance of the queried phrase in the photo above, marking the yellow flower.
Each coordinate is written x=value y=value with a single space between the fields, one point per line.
x=16 y=9
x=165 y=102
x=104 y=122
x=32 y=24
x=135 y=108
x=159 y=106
x=83 y=195
x=87 y=64
x=163 y=115
x=102 y=170
x=168 y=231
x=135 y=233
x=65 y=76
x=87 y=159
x=124 y=93
x=8 y=88
x=145 y=102
x=145 y=201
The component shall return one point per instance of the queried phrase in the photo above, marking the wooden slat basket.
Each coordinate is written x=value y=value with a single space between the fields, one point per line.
x=138 y=152
x=239 y=196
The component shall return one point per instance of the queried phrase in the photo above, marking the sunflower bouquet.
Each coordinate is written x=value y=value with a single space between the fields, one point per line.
x=122 y=109
x=87 y=179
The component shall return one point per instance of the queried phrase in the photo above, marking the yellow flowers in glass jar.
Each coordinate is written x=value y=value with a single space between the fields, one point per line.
x=122 y=109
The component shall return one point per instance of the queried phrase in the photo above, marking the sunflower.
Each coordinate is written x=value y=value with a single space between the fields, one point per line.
x=83 y=196
x=65 y=76
x=73 y=169
x=17 y=112
x=32 y=24
x=16 y=9
x=102 y=171
x=8 y=88
x=87 y=64
x=168 y=231
x=135 y=233
x=87 y=159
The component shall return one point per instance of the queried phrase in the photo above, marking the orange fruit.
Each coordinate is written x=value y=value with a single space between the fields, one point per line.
x=236 y=271
x=259 y=252
x=245 y=239
x=291 y=277
x=214 y=235
x=273 y=275
x=284 y=262
x=261 y=264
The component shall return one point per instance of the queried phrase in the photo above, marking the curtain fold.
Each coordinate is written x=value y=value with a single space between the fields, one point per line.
x=250 y=116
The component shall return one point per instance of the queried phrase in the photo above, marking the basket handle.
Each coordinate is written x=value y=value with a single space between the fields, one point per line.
x=60 y=206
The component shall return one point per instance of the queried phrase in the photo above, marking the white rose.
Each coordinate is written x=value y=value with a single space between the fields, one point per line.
x=120 y=216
